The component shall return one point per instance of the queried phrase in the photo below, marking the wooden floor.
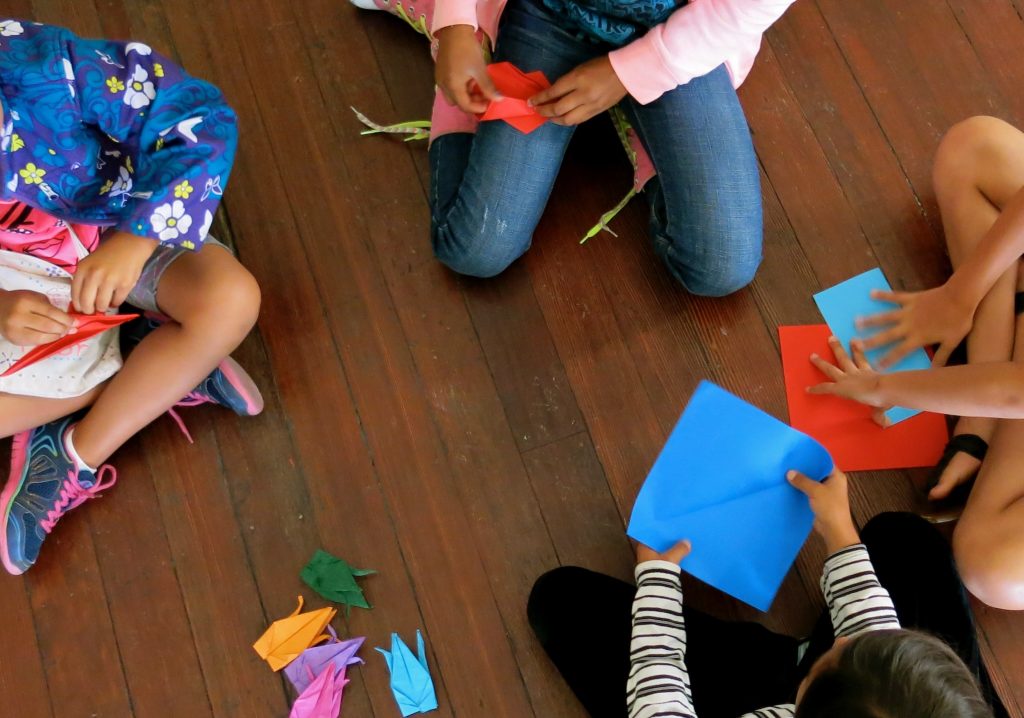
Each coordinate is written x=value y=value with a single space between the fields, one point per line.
x=463 y=437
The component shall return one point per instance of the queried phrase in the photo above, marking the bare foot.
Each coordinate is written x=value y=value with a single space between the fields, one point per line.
x=962 y=467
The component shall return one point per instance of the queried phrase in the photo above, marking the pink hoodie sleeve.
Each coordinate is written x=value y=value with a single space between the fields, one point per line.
x=696 y=39
x=454 y=12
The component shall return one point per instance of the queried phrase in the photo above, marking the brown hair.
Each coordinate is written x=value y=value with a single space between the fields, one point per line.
x=894 y=674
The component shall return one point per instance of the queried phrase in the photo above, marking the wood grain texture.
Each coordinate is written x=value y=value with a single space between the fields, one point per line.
x=463 y=437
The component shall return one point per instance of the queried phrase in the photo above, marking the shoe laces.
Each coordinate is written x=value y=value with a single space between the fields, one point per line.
x=73 y=494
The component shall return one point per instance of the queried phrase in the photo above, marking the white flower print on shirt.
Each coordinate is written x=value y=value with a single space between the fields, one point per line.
x=123 y=183
x=10 y=28
x=169 y=221
x=205 y=229
x=139 y=47
x=140 y=91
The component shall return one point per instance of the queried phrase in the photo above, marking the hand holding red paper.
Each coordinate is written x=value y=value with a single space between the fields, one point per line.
x=516 y=87
x=85 y=327
x=461 y=72
x=28 y=319
x=934 y=316
x=582 y=93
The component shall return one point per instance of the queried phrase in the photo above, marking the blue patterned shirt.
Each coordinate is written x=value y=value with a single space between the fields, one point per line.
x=617 y=22
x=111 y=134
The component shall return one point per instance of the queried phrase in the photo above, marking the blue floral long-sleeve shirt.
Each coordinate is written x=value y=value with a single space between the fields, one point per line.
x=111 y=134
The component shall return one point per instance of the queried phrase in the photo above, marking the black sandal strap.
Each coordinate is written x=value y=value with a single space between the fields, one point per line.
x=970 y=444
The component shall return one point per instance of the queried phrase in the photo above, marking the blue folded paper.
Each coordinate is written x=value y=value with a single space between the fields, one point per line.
x=720 y=481
x=411 y=683
x=843 y=303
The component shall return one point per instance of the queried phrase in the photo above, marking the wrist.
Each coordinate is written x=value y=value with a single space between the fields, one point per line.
x=966 y=288
x=839 y=537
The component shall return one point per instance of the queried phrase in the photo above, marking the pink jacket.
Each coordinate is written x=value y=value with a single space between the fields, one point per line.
x=696 y=39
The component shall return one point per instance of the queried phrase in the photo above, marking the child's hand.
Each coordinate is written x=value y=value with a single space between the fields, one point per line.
x=851 y=378
x=28 y=319
x=589 y=90
x=106 y=277
x=674 y=555
x=461 y=72
x=830 y=502
x=934 y=316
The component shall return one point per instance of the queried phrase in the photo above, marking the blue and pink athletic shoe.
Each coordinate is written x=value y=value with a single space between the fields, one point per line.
x=228 y=385
x=44 y=484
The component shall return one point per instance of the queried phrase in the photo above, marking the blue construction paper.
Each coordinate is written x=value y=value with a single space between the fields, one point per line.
x=844 y=303
x=720 y=481
x=411 y=683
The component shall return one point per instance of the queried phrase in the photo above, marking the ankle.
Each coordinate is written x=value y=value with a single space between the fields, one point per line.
x=73 y=449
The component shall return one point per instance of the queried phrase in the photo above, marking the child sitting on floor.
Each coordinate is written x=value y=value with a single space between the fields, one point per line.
x=112 y=164
x=979 y=184
x=638 y=651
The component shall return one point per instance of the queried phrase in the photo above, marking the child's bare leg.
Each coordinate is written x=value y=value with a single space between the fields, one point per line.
x=978 y=168
x=21 y=413
x=213 y=302
x=989 y=540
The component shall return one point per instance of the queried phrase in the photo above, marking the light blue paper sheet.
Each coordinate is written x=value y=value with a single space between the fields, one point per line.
x=842 y=304
x=720 y=481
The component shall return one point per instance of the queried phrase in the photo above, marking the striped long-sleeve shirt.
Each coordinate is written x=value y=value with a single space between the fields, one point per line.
x=658 y=681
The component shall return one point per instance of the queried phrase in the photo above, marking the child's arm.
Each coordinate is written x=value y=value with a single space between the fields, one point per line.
x=658 y=682
x=176 y=137
x=944 y=315
x=696 y=39
x=857 y=602
x=993 y=390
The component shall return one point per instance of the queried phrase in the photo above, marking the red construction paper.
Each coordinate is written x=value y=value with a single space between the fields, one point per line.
x=845 y=427
x=89 y=325
x=516 y=88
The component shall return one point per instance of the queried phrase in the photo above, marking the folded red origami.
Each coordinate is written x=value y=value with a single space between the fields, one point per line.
x=845 y=427
x=89 y=325
x=516 y=88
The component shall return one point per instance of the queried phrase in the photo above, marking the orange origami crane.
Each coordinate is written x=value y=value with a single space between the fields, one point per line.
x=288 y=637
x=86 y=327
x=517 y=87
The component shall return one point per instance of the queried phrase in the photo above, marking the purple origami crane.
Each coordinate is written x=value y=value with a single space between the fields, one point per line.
x=322 y=697
x=312 y=661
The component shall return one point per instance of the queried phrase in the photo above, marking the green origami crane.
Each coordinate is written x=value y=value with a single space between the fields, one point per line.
x=334 y=579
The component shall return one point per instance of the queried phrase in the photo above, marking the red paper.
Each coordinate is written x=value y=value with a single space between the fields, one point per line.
x=845 y=427
x=89 y=325
x=516 y=87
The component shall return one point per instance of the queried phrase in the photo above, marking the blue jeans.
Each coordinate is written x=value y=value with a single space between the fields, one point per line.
x=489 y=189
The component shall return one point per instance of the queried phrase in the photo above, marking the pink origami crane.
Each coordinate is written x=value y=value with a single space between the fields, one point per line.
x=516 y=87
x=314 y=660
x=322 y=697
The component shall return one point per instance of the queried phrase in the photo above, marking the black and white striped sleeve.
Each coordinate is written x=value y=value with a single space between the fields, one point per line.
x=784 y=711
x=658 y=683
x=856 y=600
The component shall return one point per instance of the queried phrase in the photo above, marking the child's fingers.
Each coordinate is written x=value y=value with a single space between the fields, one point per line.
x=882 y=338
x=897 y=353
x=678 y=552
x=878 y=320
x=802 y=484
x=889 y=296
x=843 y=359
x=86 y=303
x=830 y=370
x=105 y=296
x=45 y=325
x=826 y=387
x=942 y=354
x=879 y=417
x=487 y=87
x=562 y=87
x=860 y=359
x=56 y=316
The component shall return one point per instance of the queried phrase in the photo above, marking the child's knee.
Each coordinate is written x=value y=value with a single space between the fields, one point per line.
x=991 y=567
x=476 y=257
x=718 y=278
x=232 y=301
x=961 y=153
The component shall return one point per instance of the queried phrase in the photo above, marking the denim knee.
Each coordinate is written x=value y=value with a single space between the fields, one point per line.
x=481 y=256
x=712 y=277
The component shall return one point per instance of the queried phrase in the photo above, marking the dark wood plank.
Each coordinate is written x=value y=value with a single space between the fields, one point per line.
x=22 y=677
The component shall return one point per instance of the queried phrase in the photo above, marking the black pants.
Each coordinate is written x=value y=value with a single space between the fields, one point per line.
x=583 y=621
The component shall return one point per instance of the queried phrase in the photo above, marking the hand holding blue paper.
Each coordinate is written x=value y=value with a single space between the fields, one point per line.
x=844 y=303
x=411 y=683
x=720 y=481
